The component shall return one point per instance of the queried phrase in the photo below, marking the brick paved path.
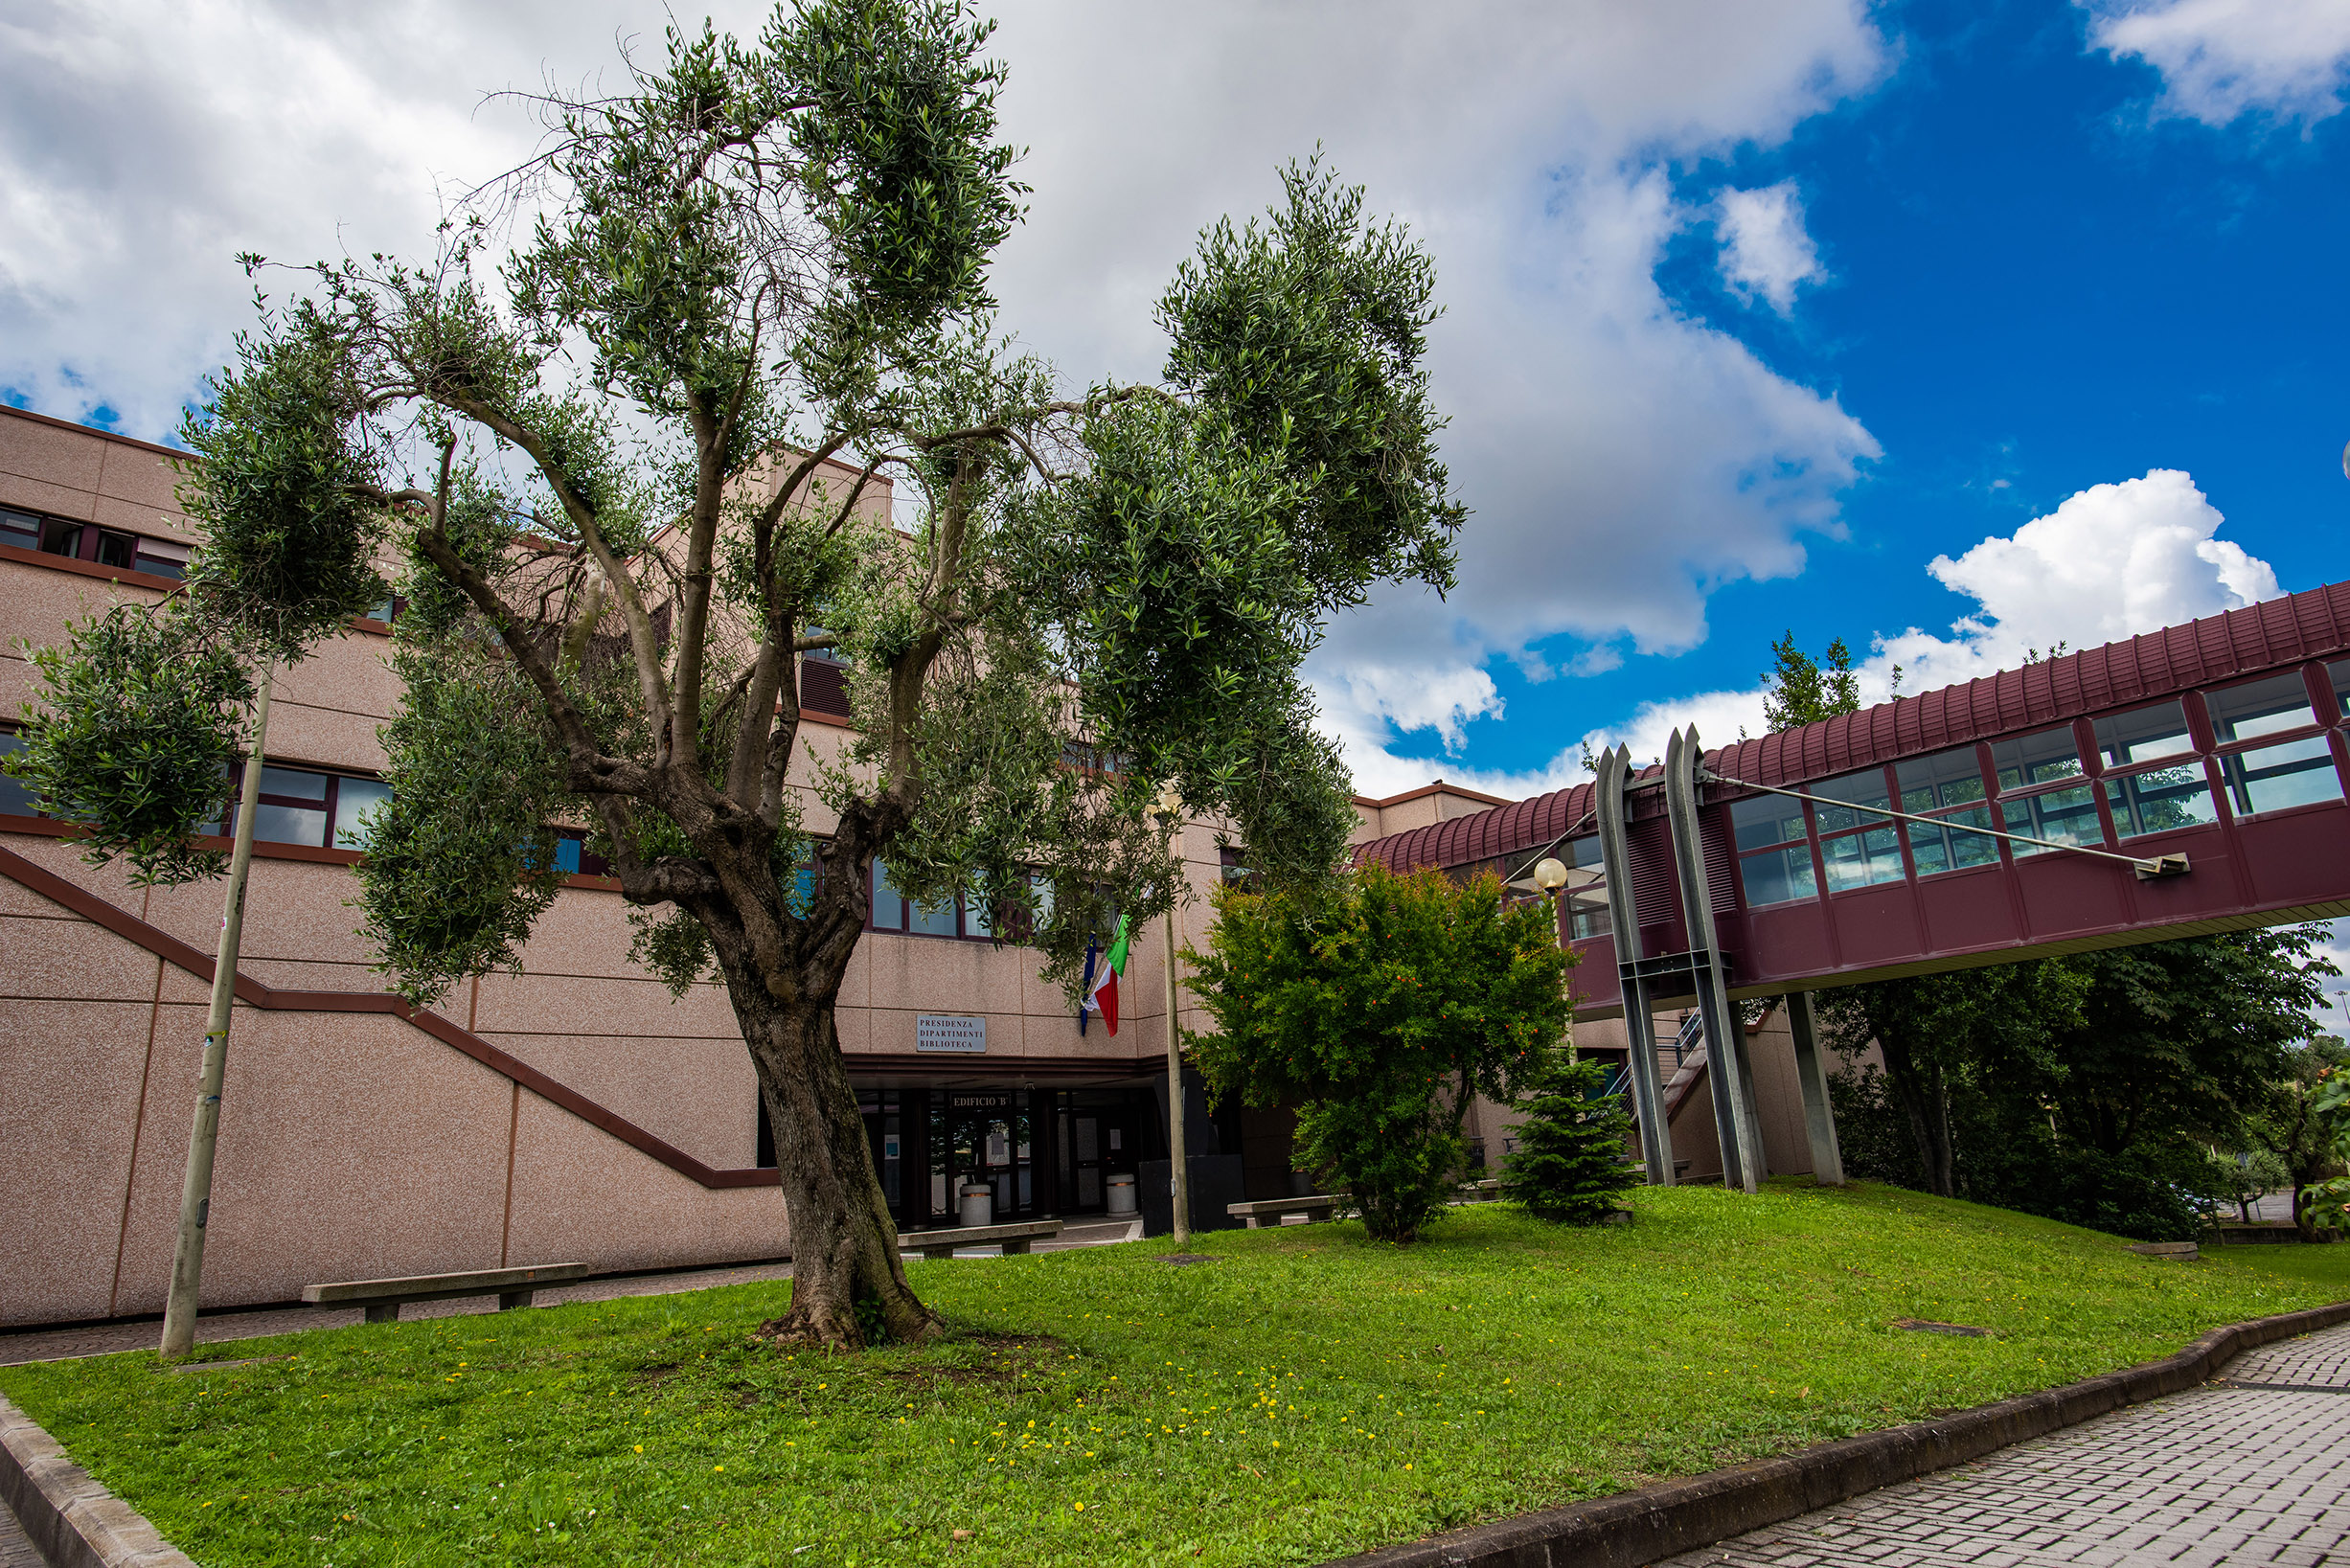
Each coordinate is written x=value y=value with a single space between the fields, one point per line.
x=2252 y=1468
x=106 y=1338
x=15 y=1551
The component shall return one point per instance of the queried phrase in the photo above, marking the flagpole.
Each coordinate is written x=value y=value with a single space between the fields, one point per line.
x=1177 y=1162
x=1171 y=812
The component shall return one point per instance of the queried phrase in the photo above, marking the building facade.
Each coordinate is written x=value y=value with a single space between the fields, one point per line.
x=569 y=1111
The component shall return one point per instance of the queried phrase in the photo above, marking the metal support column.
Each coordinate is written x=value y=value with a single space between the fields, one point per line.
x=1727 y=1059
x=1812 y=1072
x=1623 y=922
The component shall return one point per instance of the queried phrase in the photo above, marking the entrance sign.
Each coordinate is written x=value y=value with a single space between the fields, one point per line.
x=951 y=1032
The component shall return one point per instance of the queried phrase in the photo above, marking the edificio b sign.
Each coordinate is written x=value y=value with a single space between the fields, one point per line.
x=951 y=1031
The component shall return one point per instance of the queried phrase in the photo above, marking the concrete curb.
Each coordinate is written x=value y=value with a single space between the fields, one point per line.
x=1634 y=1528
x=72 y=1521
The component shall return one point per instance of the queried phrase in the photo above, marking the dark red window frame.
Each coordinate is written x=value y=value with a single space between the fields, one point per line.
x=92 y=543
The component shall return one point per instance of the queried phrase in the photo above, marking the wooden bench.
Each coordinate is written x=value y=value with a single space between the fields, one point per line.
x=1488 y=1191
x=1016 y=1239
x=1276 y=1209
x=384 y=1297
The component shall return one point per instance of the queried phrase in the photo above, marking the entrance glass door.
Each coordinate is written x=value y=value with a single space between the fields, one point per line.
x=1103 y=1133
x=983 y=1137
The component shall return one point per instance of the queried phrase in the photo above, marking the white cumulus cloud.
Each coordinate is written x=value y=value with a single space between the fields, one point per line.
x=1765 y=250
x=2109 y=563
x=1622 y=458
x=2221 y=60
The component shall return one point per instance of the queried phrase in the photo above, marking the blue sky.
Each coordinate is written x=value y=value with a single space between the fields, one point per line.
x=2036 y=284
x=1756 y=308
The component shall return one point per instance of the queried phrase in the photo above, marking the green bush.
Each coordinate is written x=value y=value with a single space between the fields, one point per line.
x=1569 y=1164
x=1380 y=1008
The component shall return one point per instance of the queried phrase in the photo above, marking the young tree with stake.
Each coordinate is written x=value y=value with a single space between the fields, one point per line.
x=598 y=469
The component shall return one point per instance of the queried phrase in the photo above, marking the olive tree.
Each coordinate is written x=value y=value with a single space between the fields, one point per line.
x=619 y=462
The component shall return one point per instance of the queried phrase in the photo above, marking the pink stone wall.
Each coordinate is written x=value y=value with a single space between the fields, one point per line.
x=357 y=1144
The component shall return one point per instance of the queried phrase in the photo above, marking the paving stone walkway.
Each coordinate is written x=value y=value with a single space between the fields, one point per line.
x=108 y=1338
x=2253 y=1468
x=15 y=1551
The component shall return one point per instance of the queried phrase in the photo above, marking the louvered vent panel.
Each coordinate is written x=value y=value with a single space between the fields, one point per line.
x=824 y=688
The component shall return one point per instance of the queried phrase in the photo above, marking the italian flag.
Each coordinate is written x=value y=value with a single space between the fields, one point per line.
x=1102 y=982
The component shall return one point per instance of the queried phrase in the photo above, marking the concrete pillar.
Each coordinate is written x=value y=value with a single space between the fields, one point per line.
x=1726 y=1058
x=1624 y=918
x=1728 y=1065
x=1812 y=1072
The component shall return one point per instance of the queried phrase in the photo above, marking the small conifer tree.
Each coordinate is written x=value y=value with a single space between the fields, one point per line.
x=1569 y=1162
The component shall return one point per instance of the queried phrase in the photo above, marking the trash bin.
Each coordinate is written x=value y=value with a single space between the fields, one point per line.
x=1121 y=1195
x=978 y=1205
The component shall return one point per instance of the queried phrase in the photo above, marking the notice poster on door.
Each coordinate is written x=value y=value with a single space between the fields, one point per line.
x=951 y=1032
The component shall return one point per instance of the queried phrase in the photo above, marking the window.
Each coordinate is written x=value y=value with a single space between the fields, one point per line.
x=806 y=876
x=353 y=798
x=1586 y=890
x=2032 y=759
x=2143 y=734
x=1857 y=846
x=16 y=795
x=2025 y=766
x=2160 y=800
x=893 y=911
x=1011 y=920
x=1774 y=863
x=824 y=679
x=1093 y=760
x=300 y=805
x=2259 y=708
x=292 y=807
x=2062 y=816
x=572 y=856
x=1947 y=786
x=163 y=558
x=2271 y=777
x=87 y=541
x=2338 y=673
x=1232 y=865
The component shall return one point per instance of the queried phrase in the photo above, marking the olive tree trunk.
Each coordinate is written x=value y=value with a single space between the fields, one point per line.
x=848 y=1287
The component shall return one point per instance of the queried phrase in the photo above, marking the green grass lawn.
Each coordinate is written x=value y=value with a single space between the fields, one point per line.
x=1307 y=1394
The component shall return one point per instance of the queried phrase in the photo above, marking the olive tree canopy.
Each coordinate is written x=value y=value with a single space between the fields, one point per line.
x=621 y=479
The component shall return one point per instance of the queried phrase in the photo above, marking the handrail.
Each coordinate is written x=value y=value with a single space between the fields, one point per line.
x=2148 y=867
x=1691 y=1027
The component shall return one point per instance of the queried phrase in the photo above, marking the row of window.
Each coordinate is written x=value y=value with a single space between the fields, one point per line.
x=324 y=809
x=2267 y=751
x=966 y=917
x=309 y=806
x=89 y=542
x=113 y=547
x=2152 y=768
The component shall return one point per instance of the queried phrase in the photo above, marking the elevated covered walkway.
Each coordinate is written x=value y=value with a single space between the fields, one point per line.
x=2180 y=782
